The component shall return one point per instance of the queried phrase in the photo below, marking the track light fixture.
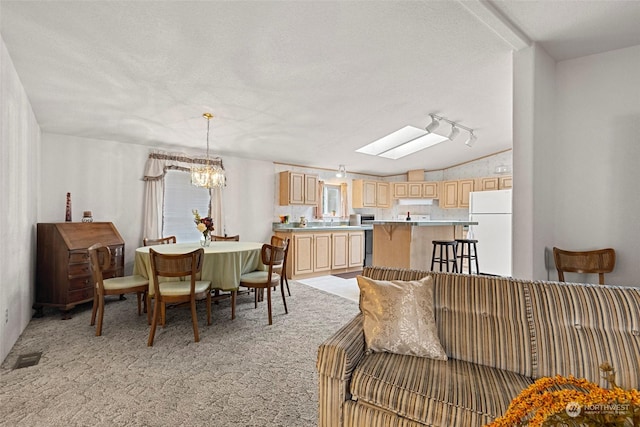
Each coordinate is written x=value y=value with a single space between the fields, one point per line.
x=472 y=140
x=435 y=122
x=454 y=132
x=455 y=129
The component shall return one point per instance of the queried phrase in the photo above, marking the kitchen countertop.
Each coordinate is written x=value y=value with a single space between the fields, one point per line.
x=430 y=223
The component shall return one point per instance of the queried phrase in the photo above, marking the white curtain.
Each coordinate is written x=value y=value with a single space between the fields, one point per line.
x=157 y=164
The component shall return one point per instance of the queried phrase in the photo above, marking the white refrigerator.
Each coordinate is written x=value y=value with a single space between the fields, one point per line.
x=492 y=211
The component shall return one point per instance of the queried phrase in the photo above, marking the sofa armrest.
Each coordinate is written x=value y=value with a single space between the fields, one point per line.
x=337 y=358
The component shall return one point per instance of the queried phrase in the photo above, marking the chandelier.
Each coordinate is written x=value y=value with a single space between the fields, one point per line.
x=210 y=175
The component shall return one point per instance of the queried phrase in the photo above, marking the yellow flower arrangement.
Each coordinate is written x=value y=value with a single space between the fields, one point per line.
x=582 y=404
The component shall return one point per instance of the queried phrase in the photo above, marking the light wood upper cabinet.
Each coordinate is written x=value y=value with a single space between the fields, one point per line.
x=400 y=190
x=370 y=194
x=297 y=188
x=465 y=186
x=310 y=189
x=506 y=182
x=430 y=190
x=383 y=199
x=415 y=190
x=489 y=183
x=455 y=194
x=449 y=197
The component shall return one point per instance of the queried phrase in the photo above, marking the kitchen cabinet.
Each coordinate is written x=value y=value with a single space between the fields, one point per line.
x=297 y=188
x=416 y=190
x=356 y=249
x=492 y=183
x=370 y=194
x=340 y=250
x=430 y=190
x=400 y=190
x=311 y=253
x=455 y=194
x=347 y=250
x=319 y=253
x=489 y=183
x=505 y=182
x=63 y=268
x=302 y=252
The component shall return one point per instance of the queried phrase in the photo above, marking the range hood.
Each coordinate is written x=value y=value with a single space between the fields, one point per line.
x=414 y=202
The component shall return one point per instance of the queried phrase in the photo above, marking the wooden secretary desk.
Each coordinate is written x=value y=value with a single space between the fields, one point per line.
x=63 y=267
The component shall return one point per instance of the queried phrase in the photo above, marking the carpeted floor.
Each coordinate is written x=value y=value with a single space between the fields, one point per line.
x=242 y=372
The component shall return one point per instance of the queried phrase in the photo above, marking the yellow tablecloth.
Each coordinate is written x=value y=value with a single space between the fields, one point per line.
x=224 y=262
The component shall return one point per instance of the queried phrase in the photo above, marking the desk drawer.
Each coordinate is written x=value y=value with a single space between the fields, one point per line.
x=80 y=282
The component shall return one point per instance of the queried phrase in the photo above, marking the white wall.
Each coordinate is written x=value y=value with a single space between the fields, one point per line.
x=576 y=152
x=534 y=161
x=597 y=155
x=19 y=166
x=105 y=177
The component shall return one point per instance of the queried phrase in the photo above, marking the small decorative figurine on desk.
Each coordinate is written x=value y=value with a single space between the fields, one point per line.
x=67 y=216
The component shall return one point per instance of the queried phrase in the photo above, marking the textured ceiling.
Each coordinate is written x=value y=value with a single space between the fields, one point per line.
x=298 y=82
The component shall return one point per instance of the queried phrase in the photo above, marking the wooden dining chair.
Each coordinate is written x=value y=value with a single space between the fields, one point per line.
x=161 y=241
x=101 y=266
x=178 y=291
x=282 y=269
x=259 y=280
x=599 y=261
x=235 y=238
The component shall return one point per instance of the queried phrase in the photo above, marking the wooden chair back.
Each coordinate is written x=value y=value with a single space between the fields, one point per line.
x=176 y=265
x=283 y=243
x=599 y=261
x=100 y=257
x=235 y=238
x=272 y=257
x=161 y=241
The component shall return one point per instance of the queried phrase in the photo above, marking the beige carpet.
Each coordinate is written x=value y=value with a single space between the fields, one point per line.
x=241 y=373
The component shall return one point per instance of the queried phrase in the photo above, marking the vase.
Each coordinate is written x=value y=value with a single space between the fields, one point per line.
x=205 y=241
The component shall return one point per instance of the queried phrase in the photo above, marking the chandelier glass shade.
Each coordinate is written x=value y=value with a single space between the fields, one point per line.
x=208 y=175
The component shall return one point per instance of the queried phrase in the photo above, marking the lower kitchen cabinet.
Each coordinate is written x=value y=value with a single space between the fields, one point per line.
x=316 y=254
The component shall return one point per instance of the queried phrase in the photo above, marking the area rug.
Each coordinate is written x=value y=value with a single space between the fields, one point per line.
x=242 y=372
x=350 y=275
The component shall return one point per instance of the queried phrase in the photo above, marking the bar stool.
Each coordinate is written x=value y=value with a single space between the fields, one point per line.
x=467 y=243
x=443 y=258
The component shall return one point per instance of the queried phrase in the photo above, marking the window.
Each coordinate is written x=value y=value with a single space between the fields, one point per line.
x=180 y=198
x=331 y=200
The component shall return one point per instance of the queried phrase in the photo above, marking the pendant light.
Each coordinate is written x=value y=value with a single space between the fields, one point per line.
x=210 y=175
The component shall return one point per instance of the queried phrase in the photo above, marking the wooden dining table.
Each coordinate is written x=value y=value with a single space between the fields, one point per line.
x=224 y=262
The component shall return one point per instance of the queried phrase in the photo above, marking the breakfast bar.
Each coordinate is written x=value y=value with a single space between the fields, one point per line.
x=407 y=244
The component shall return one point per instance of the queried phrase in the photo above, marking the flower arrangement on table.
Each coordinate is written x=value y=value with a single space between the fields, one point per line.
x=204 y=225
x=582 y=404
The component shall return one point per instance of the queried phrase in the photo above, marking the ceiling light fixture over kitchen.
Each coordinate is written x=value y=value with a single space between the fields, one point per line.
x=342 y=172
x=211 y=174
x=472 y=140
x=409 y=139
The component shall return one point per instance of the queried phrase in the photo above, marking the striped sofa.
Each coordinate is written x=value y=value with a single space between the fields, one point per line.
x=500 y=335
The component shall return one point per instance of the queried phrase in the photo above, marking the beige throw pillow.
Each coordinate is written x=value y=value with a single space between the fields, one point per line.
x=399 y=317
